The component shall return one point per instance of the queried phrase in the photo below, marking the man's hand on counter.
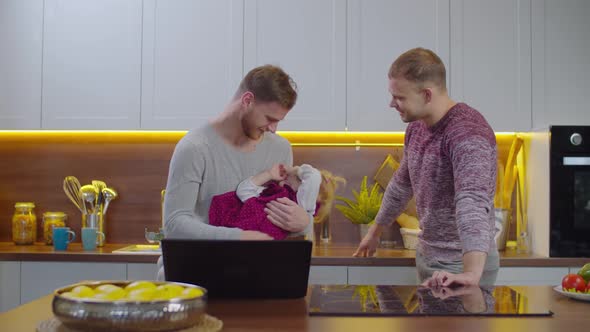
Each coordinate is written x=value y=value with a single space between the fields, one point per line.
x=370 y=242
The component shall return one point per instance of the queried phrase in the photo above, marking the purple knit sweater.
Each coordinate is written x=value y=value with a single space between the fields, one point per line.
x=451 y=169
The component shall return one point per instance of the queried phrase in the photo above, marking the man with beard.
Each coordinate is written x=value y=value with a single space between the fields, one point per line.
x=237 y=144
x=449 y=165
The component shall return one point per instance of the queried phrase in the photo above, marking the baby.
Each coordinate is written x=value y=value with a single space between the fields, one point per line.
x=244 y=208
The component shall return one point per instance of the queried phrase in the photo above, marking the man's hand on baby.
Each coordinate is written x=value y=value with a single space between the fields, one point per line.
x=288 y=215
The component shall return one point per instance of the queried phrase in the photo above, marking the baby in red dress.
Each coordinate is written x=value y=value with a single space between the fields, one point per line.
x=244 y=208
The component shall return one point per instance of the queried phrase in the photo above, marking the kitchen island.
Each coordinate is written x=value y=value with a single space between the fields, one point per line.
x=291 y=315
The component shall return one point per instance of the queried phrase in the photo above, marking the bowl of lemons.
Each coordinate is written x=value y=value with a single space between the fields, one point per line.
x=129 y=305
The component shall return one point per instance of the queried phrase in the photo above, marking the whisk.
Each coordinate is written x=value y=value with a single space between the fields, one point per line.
x=71 y=188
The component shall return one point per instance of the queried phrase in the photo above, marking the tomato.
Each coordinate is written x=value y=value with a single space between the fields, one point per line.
x=573 y=282
x=588 y=288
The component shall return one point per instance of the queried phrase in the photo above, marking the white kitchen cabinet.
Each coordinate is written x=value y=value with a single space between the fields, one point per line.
x=92 y=64
x=382 y=275
x=328 y=275
x=142 y=271
x=191 y=60
x=490 y=65
x=560 y=65
x=527 y=276
x=378 y=32
x=21 y=40
x=307 y=39
x=42 y=278
x=9 y=285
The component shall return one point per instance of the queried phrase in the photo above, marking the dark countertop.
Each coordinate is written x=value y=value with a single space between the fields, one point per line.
x=334 y=255
x=291 y=315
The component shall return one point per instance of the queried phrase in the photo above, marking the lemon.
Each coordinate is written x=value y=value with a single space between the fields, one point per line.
x=111 y=292
x=103 y=297
x=168 y=291
x=144 y=294
x=70 y=295
x=82 y=291
x=190 y=292
x=141 y=284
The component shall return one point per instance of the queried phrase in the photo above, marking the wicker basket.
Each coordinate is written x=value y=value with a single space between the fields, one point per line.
x=410 y=237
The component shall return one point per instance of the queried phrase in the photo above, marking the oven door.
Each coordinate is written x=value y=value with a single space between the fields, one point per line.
x=570 y=206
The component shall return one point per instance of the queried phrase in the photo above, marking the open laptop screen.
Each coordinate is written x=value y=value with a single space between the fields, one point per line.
x=240 y=269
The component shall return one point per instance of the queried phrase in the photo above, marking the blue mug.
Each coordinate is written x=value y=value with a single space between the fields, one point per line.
x=91 y=237
x=62 y=236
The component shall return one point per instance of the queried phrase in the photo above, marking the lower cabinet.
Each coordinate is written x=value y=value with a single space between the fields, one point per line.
x=142 y=271
x=21 y=282
x=333 y=275
x=526 y=276
x=328 y=275
x=382 y=275
x=42 y=278
x=9 y=285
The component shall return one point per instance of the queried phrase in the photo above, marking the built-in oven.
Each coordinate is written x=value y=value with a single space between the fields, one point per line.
x=569 y=183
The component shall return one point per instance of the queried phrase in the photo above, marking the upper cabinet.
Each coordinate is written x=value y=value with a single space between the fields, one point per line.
x=378 y=32
x=191 y=60
x=490 y=65
x=92 y=64
x=174 y=64
x=561 y=62
x=21 y=40
x=307 y=38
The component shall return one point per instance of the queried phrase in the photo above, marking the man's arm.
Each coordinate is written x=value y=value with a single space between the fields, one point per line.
x=397 y=195
x=184 y=182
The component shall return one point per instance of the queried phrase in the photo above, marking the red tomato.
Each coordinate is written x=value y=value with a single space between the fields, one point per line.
x=573 y=282
x=588 y=288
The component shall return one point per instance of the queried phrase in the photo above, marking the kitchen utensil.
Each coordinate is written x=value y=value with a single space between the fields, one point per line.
x=163 y=315
x=88 y=193
x=109 y=194
x=71 y=187
x=99 y=185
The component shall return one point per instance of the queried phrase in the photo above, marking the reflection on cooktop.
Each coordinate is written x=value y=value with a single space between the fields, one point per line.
x=351 y=300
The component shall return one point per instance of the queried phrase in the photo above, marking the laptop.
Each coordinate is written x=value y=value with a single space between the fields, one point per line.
x=240 y=269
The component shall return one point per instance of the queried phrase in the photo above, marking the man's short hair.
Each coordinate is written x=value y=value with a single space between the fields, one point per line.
x=270 y=83
x=419 y=65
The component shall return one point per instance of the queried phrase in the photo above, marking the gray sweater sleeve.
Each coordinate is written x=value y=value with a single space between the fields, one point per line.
x=184 y=181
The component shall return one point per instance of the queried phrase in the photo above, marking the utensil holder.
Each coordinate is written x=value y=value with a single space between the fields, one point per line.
x=95 y=220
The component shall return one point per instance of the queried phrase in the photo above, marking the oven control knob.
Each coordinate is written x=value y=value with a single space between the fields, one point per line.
x=576 y=139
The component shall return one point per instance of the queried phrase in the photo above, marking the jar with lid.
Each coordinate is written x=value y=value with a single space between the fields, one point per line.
x=51 y=220
x=24 y=223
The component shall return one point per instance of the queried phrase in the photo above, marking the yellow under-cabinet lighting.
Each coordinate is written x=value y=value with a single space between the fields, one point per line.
x=297 y=138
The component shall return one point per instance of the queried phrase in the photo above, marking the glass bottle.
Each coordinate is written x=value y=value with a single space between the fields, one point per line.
x=24 y=223
x=51 y=220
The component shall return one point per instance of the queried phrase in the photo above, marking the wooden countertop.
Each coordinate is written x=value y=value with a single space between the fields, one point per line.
x=291 y=315
x=334 y=255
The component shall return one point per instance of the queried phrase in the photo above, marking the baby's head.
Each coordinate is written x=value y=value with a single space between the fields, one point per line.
x=326 y=195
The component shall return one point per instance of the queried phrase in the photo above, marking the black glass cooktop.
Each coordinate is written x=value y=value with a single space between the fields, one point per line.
x=351 y=300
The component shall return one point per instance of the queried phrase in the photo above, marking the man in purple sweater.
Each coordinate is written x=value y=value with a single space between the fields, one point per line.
x=449 y=165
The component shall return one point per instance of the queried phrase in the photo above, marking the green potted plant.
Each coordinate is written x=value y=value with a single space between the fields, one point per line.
x=363 y=209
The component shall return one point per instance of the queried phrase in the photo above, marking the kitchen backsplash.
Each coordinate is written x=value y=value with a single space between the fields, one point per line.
x=135 y=164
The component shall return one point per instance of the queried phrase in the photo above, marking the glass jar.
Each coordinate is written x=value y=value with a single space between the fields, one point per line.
x=51 y=220
x=24 y=223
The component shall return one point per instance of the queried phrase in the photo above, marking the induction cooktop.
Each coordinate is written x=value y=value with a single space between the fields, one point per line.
x=371 y=300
